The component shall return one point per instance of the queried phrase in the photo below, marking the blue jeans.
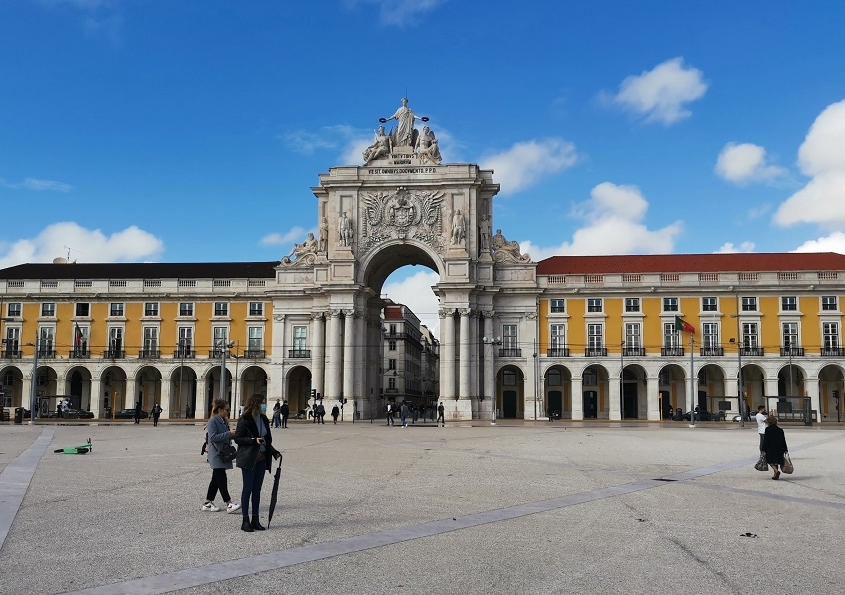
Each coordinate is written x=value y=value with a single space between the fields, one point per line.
x=253 y=479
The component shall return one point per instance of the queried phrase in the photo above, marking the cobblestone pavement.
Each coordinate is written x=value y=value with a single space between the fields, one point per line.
x=519 y=507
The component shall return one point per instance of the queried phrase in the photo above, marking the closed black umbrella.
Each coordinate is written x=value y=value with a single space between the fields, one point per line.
x=274 y=495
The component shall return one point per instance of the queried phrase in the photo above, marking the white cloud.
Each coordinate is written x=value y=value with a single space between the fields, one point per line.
x=613 y=217
x=399 y=13
x=526 y=163
x=37 y=185
x=835 y=242
x=744 y=163
x=661 y=94
x=289 y=238
x=821 y=157
x=86 y=245
x=729 y=248
x=415 y=292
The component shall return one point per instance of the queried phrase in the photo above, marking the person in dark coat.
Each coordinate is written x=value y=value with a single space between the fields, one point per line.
x=138 y=412
x=156 y=413
x=285 y=414
x=255 y=447
x=321 y=413
x=335 y=413
x=774 y=445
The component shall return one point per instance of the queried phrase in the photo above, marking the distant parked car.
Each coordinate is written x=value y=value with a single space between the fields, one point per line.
x=130 y=414
x=77 y=414
x=701 y=416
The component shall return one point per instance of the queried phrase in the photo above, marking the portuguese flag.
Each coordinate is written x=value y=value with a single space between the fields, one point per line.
x=77 y=337
x=682 y=325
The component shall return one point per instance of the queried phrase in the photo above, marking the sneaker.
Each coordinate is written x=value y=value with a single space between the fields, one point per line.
x=232 y=507
x=210 y=507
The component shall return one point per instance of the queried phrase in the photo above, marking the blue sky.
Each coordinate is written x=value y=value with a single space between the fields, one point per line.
x=153 y=130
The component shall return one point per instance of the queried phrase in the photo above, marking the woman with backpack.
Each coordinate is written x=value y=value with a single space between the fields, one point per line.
x=218 y=436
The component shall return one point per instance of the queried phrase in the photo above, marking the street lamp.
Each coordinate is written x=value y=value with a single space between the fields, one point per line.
x=235 y=381
x=224 y=347
x=787 y=342
x=34 y=382
x=739 y=385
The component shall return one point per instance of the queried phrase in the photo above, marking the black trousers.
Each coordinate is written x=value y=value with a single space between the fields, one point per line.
x=218 y=482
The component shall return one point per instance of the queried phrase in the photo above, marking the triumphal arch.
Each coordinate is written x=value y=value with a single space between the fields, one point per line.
x=404 y=206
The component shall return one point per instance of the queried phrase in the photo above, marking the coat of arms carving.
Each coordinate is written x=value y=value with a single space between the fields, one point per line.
x=403 y=214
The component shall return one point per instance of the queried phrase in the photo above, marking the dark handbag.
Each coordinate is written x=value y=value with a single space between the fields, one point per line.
x=787 y=464
x=227 y=453
x=761 y=464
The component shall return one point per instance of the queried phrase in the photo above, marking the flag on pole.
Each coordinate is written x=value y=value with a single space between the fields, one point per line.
x=683 y=325
x=77 y=337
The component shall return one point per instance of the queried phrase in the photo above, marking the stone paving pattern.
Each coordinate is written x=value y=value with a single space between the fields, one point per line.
x=520 y=507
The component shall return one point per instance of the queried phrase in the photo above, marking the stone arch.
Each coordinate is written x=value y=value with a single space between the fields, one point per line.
x=671 y=381
x=791 y=380
x=754 y=385
x=183 y=391
x=377 y=265
x=510 y=394
x=113 y=382
x=298 y=388
x=11 y=385
x=831 y=378
x=595 y=382
x=713 y=389
x=77 y=383
x=251 y=379
x=147 y=387
x=634 y=383
x=557 y=388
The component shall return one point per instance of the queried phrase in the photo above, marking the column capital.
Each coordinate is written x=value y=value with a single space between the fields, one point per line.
x=531 y=315
x=488 y=313
x=446 y=312
x=333 y=313
x=279 y=317
x=317 y=315
x=465 y=312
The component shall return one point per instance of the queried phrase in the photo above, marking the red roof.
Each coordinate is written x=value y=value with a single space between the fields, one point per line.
x=692 y=263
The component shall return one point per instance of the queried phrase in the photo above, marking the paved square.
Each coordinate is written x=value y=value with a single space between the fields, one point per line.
x=515 y=508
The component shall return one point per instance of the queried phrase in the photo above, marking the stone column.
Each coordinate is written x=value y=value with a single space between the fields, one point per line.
x=318 y=351
x=653 y=399
x=811 y=389
x=95 y=397
x=359 y=391
x=689 y=402
x=200 y=396
x=349 y=361
x=464 y=353
x=614 y=413
x=166 y=395
x=447 y=354
x=488 y=367
x=770 y=391
x=130 y=397
x=576 y=397
x=334 y=356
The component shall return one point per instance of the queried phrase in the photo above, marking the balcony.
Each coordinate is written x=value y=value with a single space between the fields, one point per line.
x=47 y=353
x=712 y=351
x=149 y=354
x=633 y=351
x=114 y=354
x=218 y=353
x=508 y=352
x=595 y=352
x=558 y=352
x=833 y=352
x=79 y=354
x=255 y=354
x=672 y=351
x=752 y=352
x=184 y=354
x=299 y=353
x=792 y=352
x=10 y=353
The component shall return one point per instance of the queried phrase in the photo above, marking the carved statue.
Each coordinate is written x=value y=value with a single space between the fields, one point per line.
x=323 y=244
x=484 y=233
x=404 y=116
x=309 y=246
x=458 y=227
x=427 y=147
x=344 y=228
x=380 y=148
x=505 y=250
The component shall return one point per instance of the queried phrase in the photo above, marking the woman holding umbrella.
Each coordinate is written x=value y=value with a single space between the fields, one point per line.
x=255 y=446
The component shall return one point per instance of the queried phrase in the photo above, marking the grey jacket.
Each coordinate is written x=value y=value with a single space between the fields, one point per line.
x=218 y=437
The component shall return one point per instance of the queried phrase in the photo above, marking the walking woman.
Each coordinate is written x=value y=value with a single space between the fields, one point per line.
x=255 y=446
x=219 y=436
x=774 y=445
